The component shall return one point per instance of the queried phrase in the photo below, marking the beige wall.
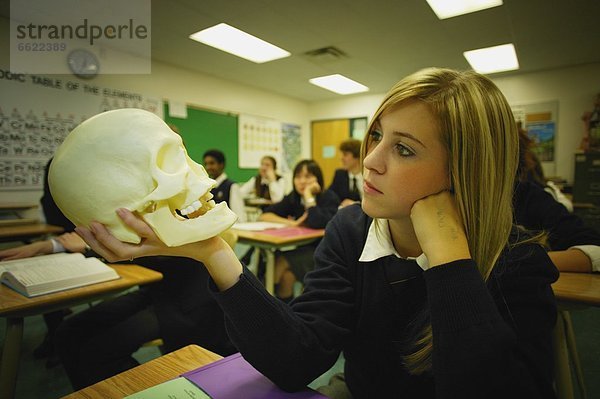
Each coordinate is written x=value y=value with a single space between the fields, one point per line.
x=574 y=88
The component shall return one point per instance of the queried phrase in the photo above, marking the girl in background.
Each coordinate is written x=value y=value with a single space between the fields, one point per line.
x=267 y=184
x=307 y=205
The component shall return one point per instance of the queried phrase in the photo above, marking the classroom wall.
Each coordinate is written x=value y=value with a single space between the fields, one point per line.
x=574 y=88
x=184 y=86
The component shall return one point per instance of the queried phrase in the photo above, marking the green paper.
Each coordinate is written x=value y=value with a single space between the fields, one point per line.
x=179 y=388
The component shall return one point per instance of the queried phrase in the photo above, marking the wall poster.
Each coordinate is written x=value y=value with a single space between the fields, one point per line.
x=36 y=114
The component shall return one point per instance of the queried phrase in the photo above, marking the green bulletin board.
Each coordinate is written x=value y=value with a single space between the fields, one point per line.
x=203 y=130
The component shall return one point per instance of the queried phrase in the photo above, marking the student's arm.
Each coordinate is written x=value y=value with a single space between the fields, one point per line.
x=325 y=208
x=27 y=251
x=247 y=188
x=579 y=259
x=69 y=242
x=279 y=212
x=490 y=339
x=291 y=347
x=493 y=340
x=273 y=217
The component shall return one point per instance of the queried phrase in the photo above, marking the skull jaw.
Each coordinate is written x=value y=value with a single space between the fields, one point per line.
x=175 y=232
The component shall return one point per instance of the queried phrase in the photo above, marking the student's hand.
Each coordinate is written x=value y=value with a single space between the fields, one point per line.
x=439 y=229
x=27 y=251
x=110 y=248
x=269 y=175
x=299 y=221
x=72 y=242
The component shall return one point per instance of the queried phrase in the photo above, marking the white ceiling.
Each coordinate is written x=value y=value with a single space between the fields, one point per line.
x=384 y=39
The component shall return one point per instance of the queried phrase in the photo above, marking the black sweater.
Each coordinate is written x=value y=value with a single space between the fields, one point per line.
x=536 y=209
x=491 y=340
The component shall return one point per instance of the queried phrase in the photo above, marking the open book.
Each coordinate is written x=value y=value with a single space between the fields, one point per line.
x=50 y=273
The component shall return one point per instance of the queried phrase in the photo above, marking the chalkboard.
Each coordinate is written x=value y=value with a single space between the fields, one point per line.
x=203 y=130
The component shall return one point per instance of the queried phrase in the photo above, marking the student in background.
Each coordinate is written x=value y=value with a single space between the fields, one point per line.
x=226 y=189
x=307 y=205
x=348 y=181
x=429 y=289
x=573 y=246
x=531 y=169
x=267 y=184
x=66 y=242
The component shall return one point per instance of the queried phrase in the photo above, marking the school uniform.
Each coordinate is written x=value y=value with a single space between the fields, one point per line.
x=257 y=186
x=491 y=339
x=536 y=209
x=347 y=185
x=228 y=191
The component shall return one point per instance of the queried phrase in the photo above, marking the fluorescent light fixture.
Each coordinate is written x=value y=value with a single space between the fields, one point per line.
x=234 y=41
x=451 y=8
x=493 y=59
x=339 y=84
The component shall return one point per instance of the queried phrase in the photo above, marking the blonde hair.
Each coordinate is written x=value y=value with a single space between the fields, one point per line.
x=479 y=131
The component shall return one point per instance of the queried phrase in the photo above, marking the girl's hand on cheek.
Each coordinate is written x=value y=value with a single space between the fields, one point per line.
x=439 y=229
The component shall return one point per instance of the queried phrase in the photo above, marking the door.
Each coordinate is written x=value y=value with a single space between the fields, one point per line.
x=326 y=139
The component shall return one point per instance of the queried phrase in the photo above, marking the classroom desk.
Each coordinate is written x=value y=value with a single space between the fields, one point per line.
x=268 y=244
x=26 y=232
x=572 y=291
x=149 y=374
x=15 y=307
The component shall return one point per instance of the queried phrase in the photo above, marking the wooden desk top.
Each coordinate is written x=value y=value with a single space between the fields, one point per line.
x=17 y=205
x=293 y=235
x=20 y=231
x=13 y=304
x=257 y=202
x=149 y=374
x=580 y=288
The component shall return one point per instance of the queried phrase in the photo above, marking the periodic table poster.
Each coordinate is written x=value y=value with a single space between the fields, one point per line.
x=258 y=137
x=36 y=114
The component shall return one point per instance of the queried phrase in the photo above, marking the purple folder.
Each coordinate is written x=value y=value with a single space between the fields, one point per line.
x=233 y=378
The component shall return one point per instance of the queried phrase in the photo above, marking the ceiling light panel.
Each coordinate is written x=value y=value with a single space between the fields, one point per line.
x=493 y=59
x=452 y=8
x=339 y=84
x=234 y=41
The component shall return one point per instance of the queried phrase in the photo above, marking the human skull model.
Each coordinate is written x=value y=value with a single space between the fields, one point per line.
x=130 y=158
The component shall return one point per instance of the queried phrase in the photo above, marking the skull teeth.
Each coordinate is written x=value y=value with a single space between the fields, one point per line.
x=199 y=207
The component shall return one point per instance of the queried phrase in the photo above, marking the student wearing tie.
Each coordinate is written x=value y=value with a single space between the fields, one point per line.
x=226 y=189
x=348 y=182
x=427 y=287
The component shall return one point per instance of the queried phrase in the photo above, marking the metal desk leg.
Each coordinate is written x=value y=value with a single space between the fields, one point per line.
x=270 y=271
x=562 y=370
x=10 y=357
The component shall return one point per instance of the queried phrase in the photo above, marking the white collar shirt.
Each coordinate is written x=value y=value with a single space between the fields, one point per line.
x=379 y=244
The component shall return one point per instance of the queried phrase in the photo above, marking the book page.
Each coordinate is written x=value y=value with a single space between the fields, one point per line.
x=50 y=270
x=257 y=226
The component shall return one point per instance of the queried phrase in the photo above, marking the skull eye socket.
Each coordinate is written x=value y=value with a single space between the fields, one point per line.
x=171 y=158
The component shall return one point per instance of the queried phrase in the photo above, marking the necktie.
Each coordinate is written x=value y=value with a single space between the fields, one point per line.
x=354 y=189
